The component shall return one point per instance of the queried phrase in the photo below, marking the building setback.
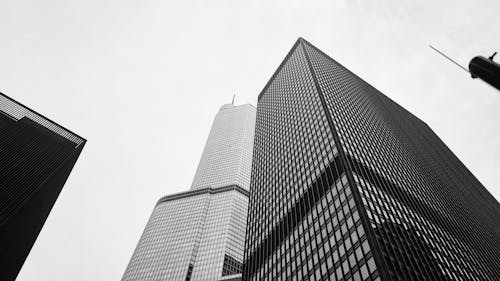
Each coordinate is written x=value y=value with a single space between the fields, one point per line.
x=348 y=185
x=200 y=234
x=195 y=235
x=36 y=158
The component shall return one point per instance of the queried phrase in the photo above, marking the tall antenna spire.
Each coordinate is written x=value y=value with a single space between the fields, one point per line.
x=233 y=99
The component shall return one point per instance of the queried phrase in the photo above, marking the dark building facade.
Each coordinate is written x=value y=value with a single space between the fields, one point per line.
x=36 y=158
x=348 y=185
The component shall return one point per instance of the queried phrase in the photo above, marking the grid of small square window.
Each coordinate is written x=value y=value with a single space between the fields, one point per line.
x=432 y=219
x=420 y=210
x=188 y=237
x=303 y=223
x=227 y=156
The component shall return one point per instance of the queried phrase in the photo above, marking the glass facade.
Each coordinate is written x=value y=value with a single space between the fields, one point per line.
x=36 y=158
x=348 y=185
x=195 y=235
x=199 y=235
x=227 y=156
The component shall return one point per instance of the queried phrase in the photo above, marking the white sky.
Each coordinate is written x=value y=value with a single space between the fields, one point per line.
x=143 y=80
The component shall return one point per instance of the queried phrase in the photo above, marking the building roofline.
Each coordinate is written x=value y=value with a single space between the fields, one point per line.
x=249 y=105
x=202 y=191
x=297 y=43
x=243 y=104
x=83 y=140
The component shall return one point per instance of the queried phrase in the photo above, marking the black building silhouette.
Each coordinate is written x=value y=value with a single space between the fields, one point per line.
x=348 y=185
x=36 y=158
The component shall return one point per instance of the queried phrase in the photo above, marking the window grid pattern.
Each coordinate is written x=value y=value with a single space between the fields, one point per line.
x=188 y=235
x=432 y=218
x=36 y=157
x=231 y=266
x=303 y=223
x=227 y=156
x=17 y=111
x=421 y=211
x=30 y=155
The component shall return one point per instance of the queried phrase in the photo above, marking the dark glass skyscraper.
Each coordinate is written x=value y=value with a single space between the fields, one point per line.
x=36 y=158
x=348 y=185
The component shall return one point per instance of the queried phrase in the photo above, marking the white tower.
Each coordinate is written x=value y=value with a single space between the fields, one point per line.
x=199 y=235
x=227 y=157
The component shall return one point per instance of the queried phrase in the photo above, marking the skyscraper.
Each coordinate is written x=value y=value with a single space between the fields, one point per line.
x=36 y=158
x=227 y=157
x=194 y=235
x=348 y=185
x=200 y=234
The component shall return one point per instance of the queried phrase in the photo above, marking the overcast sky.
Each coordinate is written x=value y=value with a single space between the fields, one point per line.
x=143 y=80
